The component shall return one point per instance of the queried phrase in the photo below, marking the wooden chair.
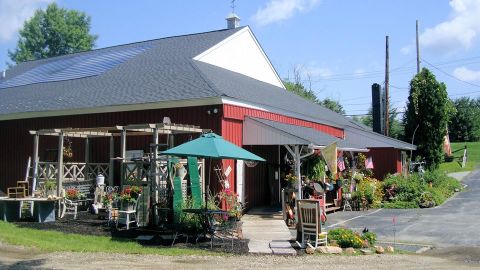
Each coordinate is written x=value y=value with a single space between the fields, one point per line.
x=309 y=213
x=128 y=217
x=69 y=208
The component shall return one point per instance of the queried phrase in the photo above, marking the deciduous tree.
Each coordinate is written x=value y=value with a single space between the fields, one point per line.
x=464 y=124
x=52 y=32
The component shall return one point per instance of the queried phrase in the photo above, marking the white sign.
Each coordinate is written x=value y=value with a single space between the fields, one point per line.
x=228 y=171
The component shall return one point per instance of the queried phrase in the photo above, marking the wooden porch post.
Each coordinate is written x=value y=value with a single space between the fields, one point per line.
x=60 y=165
x=36 y=140
x=111 y=164
x=156 y=176
x=87 y=158
x=155 y=167
x=87 y=150
x=123 y=150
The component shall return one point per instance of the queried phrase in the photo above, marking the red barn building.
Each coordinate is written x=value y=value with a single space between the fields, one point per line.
x=220 y=80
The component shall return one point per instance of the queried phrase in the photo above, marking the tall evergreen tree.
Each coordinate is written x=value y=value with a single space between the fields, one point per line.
x=55 y=31
x=427 y=112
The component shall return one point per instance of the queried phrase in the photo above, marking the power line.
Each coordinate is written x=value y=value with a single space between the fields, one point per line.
x=448 y=74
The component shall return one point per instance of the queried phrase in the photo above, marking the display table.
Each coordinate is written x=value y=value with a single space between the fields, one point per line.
x=43 y=208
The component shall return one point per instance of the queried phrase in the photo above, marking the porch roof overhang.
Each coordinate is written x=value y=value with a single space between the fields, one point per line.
x=131 y=130
x=257 y=131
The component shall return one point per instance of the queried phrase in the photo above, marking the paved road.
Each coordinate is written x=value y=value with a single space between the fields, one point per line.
x=455 y=223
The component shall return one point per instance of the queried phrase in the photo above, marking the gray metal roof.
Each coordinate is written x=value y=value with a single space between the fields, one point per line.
x=372 y=139
x=306 y=135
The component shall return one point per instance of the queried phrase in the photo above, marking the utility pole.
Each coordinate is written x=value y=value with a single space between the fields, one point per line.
x=387 y=82
x=418 y=49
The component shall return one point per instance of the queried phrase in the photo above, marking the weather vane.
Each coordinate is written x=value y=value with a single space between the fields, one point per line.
x=233 y=6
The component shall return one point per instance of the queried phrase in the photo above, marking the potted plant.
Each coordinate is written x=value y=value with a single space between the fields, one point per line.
x=108 y=199
x=318 y=171
x=74 y=194
x=50 y=187
x=292 y=180
x=128 y=197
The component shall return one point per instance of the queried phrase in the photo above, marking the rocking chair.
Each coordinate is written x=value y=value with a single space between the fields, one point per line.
x=309 y=213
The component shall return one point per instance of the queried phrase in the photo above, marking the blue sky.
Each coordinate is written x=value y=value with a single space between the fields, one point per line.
x=337 y=45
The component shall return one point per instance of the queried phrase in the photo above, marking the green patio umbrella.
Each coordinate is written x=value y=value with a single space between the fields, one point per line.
x=212 y=146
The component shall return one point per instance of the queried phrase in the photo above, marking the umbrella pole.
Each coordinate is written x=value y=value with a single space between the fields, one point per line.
x=207 y=186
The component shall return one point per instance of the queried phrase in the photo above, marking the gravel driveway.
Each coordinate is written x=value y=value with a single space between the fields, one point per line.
x=21 y=258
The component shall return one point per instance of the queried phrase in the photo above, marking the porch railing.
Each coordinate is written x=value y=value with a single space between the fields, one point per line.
x=72 y=171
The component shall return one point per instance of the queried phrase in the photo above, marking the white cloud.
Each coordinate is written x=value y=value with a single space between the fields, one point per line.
x=314 y=71
x=13 y=13
x=359 y=72
x=460 y=31
x=466 y=74
x=279 y=10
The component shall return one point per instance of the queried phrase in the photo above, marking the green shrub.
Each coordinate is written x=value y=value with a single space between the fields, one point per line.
x=413 y=191
x=346 y=238
x=371 y=189
x=400 y=205
x=406 y=189
x=371 y=237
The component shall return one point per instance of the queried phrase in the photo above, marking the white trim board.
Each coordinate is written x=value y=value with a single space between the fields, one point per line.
x=115 y=108
x=241 y=53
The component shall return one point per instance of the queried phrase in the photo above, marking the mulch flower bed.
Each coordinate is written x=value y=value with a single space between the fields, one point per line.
x=89 y=224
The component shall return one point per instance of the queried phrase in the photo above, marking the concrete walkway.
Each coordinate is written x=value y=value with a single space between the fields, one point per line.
x=267 y=232
x=459 y=175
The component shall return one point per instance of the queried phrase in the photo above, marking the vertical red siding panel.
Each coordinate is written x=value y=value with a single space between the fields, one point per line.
x=386 y=161
x=239 y=113
x=232 y=131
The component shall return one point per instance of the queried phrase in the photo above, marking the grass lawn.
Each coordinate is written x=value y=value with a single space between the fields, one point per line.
x=473 y=151
x=51 y=241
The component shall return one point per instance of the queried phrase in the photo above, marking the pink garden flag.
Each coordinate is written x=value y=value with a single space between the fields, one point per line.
x=369 y=163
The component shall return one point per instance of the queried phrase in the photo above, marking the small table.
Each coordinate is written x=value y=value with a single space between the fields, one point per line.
x=43 y=208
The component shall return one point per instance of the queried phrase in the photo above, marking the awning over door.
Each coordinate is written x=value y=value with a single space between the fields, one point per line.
x=257 y=131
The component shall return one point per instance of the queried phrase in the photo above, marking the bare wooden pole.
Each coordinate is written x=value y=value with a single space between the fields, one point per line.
x=418 y=49
x=387 y=82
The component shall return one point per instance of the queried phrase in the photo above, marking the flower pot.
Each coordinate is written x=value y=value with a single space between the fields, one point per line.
x=127 y=206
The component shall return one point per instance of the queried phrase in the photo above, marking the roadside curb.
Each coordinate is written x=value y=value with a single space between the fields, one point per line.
x=413 y=247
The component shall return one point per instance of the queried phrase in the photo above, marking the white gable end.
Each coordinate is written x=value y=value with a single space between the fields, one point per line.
x=241 y=53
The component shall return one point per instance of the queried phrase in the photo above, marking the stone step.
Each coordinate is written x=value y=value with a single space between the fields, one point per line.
x=332 y=209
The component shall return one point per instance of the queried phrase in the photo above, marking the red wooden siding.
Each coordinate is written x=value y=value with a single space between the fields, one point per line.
x=239 y=113
x=258 y=190
x=16 y=144
x=385 y=160
x=232 y=130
